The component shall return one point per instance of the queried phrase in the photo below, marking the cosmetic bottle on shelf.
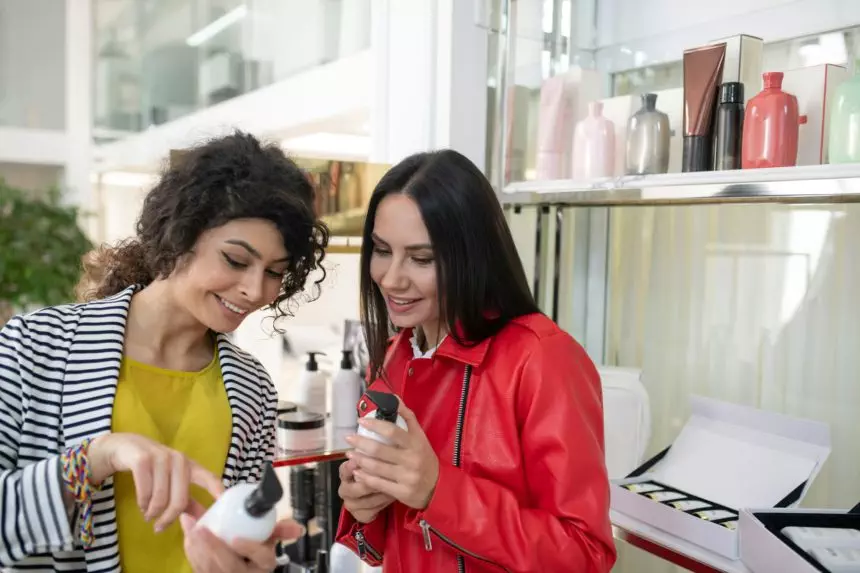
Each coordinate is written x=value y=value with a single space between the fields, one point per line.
x=844 y=143
x=594 y=145
x=728 y=135
x=648 y=136
x=771 y=126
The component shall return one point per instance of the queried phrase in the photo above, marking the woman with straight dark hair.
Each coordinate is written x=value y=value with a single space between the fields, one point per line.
x=502 y=465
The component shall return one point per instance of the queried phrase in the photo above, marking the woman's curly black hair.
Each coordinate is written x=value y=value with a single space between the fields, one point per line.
x=232 y=177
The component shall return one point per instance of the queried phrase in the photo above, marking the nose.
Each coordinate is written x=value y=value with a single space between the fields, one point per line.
x=394 y=278
x=251 y=286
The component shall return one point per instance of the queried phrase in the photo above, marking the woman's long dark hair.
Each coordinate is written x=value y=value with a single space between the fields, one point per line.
x=480 y=279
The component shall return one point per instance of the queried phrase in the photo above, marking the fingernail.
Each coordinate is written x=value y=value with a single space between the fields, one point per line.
x=350 y=439
x=159 y=528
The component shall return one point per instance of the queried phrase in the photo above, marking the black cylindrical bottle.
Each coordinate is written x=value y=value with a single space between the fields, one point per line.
x=729 y=127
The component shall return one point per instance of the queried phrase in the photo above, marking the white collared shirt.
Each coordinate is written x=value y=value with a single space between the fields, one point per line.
x=416 y=348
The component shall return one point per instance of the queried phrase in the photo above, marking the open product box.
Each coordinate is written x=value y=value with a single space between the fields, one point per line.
x=765 y=547
x=727 y=457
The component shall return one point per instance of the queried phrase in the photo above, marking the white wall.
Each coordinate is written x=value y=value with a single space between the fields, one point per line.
x=120 y=207
x=634 y=33
x=31 y=177
x=430 y=79
x=36 y=146
x=32 y=69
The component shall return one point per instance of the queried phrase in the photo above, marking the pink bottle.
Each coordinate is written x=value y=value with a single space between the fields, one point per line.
x=594 y=145
x=771 y=127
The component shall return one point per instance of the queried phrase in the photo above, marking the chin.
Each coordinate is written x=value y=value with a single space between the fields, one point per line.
x=219 y=324
x=404 y=322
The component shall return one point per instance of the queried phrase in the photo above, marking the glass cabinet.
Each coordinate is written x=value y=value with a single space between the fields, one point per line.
x=734 y=285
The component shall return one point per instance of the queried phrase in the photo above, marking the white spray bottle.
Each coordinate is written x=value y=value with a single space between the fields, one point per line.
x=246 y=510
x=386 y=410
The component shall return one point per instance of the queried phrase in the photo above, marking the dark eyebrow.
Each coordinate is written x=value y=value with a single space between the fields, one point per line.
x=251 y=250
x=419 y=247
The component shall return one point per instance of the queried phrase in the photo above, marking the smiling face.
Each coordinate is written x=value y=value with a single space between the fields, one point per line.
x=234 y=269
x=403 y=266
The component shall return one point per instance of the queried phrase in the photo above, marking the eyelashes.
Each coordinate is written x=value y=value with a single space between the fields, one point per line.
x=236 y=265
x=421 y=261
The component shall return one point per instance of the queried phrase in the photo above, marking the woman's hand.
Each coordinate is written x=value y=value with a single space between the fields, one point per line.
x=162 y=476
x=360 y=501
x=208 y=554
x=407 y=470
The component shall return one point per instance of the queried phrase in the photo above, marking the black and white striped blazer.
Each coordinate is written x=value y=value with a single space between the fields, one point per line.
x=58 y=376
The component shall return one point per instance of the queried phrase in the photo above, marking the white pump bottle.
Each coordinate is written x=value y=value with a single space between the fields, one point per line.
x=312 y=389
x=345 y=392
x=246 y=510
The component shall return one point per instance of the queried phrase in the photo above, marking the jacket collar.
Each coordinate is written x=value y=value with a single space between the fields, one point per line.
x=473 y=355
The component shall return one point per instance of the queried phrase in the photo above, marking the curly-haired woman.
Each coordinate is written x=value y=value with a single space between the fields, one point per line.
x=117 y=414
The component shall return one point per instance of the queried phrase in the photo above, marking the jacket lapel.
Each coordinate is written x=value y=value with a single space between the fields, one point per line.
x=241 y=382
x=89 y=389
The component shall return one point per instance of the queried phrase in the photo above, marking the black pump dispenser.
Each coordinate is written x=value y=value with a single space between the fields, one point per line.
x=346 y=360
x=266 y=495
x=312 y=365
x=386 y=405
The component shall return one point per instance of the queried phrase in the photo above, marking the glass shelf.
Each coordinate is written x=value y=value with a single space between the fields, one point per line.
x=335 y=449
x=815 y=184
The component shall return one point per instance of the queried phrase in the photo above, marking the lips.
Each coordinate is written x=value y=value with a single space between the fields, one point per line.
x=238 y=310
x=401 y=305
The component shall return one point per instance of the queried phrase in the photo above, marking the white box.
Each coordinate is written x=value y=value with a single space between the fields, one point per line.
x=743 y=62
x=815 y=89
x=734 y=456
x=764 y=549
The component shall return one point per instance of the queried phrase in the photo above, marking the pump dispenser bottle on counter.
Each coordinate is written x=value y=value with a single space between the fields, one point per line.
x=386 y=410
x=246 y=510
x=311 y=393
x=345 y=393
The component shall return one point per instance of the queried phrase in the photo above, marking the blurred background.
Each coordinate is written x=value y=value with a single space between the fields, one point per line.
x=746 y=303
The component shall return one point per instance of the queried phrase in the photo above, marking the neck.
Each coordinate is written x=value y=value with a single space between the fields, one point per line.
x=430 y=335
x=159 y=331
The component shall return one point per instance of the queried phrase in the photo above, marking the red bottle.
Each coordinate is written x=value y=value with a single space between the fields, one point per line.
x=771 y=126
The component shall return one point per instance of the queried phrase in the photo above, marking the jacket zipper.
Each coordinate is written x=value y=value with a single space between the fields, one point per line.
x=364 y=547
x=461 y=564
x=458 y=444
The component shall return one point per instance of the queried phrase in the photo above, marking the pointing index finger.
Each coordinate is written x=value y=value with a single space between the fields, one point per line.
x=206 y=479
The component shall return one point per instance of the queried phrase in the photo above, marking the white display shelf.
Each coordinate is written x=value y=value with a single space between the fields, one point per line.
x=813 y=184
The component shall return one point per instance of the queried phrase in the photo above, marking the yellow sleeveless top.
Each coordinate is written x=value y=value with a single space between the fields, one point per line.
x=186 y=411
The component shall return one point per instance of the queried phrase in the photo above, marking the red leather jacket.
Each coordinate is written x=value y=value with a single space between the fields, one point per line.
x=517 y=423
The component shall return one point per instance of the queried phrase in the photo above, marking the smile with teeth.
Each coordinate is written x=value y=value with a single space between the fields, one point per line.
x=403 y=301
x=230 y=306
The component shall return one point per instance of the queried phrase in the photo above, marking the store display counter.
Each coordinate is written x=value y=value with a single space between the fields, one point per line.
x=671 y=548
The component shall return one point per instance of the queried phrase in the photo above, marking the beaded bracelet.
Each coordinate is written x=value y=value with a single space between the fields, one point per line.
x=77 y=478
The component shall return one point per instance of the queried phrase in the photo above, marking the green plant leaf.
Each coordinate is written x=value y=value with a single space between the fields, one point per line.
x=41 y=246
